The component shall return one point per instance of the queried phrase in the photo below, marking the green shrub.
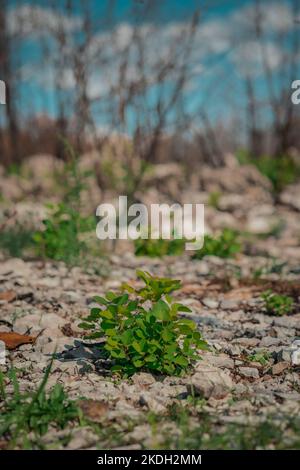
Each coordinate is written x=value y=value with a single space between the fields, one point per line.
x=158 y=248
x=142 y=330
x=276 y=304
x=224 y=246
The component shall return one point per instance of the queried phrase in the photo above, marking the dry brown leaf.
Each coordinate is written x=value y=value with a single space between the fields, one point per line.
x=13 y=340
x=8 y=295
x=94 y=409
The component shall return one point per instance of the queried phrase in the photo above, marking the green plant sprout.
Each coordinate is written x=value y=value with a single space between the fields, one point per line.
x=142 y=330
x=262 y=357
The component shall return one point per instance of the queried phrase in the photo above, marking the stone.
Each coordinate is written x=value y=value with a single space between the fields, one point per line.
x=72 y=367
x=82 y=438
x=15 y=267
x=269 y=341
x=233 y=350
x=296 y=357
x=49 y=322
x=220 y=361
x=291 y=196
x=153 y=403
x=240 y=389
x=287 y=322
x=246 y=342
x=249 y=372
x=58 y=345
x=261 y=223
x=50 y=282
x=205 y=320
x=278 y=368
x=71 y=297
x=284 y=355
x=143 y=379
x=2 y=353
x=229 y=304
x=209 y=381
x=210 y=303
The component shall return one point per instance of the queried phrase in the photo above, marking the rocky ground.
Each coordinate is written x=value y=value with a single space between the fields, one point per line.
x=245 y=393
x=229 y=385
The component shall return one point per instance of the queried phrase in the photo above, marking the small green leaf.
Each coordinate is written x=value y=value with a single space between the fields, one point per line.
x=100 y=300
x=161 y=310
x=85 y=326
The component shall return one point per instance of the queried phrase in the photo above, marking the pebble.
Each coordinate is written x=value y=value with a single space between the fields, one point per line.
x=296 y=357
x=246 y=342
x=210 y=303
x=229 y=304
x=220 y=361
x=284 y=355
x=209 y=381
x=270 y=341
x=278 y=368
x=249 y=372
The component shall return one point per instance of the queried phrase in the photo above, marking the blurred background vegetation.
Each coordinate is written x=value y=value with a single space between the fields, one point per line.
x=144 y=98
x=149 y=81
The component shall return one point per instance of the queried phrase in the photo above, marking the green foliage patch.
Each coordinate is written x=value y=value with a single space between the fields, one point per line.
x=280 y=170
x=142 y=330
x=262 y=357
x=160 y=247
x=226 y=245
x=277 y=304
x=214 y=199
x=24 y=413
x=61 y=239
x=15 y=240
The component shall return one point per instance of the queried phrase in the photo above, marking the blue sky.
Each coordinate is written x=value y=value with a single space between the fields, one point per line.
x=219 y=54
x=168 y=11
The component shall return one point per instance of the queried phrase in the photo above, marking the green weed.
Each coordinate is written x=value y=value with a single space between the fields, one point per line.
x=281 y=171
x=214 y=199
x=62 y=237
x=277 y=304
x=262 y=357
x=14 y=241
x=226 y=245
x=158 y=248
x=34 y=413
